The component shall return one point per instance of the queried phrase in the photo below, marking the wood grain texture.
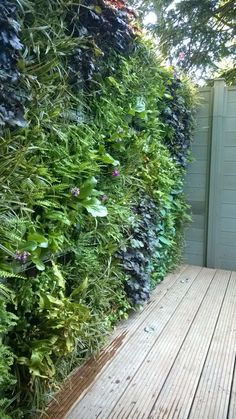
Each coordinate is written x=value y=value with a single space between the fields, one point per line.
x=182 y=366
x=175 y=359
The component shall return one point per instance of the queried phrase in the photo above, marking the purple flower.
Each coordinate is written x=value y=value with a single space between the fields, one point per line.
x=104 y=198
x=22 y=256
x=115 y=173
x=75 y=192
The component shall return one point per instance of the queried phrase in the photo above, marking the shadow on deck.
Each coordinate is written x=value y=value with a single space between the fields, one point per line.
x=175 y=359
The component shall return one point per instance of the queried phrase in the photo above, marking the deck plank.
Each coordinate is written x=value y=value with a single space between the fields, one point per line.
x=213 y=394
x=139 y=398
x=82 y=378
x=178 y=392
x=175 y=359
x=232 y=403
x=118 y=379
x=103 y=394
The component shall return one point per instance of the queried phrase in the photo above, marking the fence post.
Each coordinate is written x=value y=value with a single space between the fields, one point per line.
x=216 y=170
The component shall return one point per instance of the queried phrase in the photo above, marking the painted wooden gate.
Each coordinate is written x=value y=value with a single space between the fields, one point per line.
x=211 y=181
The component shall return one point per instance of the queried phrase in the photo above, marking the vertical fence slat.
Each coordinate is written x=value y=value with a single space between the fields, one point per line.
x=216 y=171
x=196 y=187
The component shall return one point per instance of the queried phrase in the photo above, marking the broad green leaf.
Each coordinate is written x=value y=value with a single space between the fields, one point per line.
x=38 y=238
x=94 y=207
x=29 y=246
x=108 y=159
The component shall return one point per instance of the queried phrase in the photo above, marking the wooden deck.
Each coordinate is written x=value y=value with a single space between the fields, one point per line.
x=175 y=359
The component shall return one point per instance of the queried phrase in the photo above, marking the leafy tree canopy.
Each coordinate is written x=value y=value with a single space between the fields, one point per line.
x=196 y=34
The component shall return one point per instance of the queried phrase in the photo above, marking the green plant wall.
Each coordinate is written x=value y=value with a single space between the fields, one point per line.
x=95 y=138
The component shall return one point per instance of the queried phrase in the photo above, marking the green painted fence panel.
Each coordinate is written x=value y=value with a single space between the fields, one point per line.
x=196 y=188
x=211 y=181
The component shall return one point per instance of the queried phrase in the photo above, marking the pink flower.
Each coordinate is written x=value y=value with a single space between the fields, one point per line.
x=181 y=56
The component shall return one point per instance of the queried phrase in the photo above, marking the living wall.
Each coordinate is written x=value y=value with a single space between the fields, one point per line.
x=95 y=137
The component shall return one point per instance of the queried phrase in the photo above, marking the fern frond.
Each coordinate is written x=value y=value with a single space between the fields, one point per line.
x=5 y=274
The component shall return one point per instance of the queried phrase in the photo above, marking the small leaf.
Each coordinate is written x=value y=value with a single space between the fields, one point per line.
x=98 y=9
x=163 y=240
x=80 y=289
x=58 y=275
x=59 y=216
x=87 y=188
x=140 y=105
x=113 y=81
x=38 y=263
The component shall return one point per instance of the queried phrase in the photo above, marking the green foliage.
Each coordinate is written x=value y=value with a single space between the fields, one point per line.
x=195 y=34
x=227 y=72
x=93 y=152
x=11 y=103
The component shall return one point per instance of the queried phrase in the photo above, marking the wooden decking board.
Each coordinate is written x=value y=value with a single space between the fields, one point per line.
x=103 y=395
x=144 y=343
x=175 y=359
x=80 y=381
x=232 y=402
x=213 y=393
x=179 y=389
x=135 y=320
x=138 y=399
